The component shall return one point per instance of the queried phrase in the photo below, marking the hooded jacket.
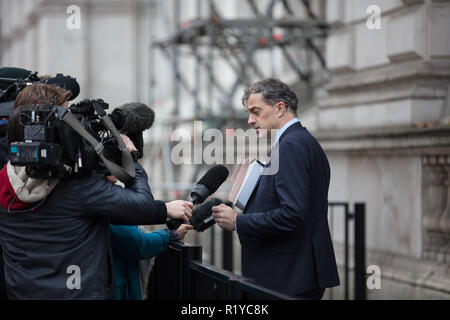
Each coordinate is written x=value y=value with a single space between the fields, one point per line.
x=18 y=191
x=61 y=249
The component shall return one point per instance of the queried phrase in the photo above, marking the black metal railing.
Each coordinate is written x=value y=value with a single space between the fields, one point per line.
x=179 y=273
x=359 y=257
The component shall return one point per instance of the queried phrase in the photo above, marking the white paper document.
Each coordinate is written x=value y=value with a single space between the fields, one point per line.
x=248 y=185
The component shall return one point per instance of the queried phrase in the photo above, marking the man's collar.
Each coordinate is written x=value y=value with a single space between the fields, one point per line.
x=283 y=128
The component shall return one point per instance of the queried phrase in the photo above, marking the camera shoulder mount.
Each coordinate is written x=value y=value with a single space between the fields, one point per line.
x=124 y=173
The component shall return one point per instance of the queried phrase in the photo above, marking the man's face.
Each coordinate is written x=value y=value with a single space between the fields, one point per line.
x=261 y=114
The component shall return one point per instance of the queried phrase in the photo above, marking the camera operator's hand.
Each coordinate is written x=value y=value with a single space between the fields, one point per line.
x=179 y=209
x=128 y=143
x=183 y=230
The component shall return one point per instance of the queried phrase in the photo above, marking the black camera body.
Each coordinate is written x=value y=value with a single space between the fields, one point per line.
x=40 y=147
x=35 y=153
x=51 y=148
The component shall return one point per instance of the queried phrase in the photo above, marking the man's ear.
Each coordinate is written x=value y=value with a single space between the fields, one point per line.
x=281 y=109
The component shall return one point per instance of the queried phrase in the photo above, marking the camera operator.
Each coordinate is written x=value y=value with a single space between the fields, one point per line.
x=6 y=108
x=56 y=232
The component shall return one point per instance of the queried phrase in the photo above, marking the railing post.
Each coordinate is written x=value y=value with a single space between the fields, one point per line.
x=227 y=250
x=360 y=251
x=212 y=243
x=189 y=253
x=347 y=218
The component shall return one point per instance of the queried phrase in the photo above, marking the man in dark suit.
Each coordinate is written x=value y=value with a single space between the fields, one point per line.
x=284 y=233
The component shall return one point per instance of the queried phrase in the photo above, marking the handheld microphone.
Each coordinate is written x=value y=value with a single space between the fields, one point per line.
x=206 y=186
x=202 y=217
x=209 y=183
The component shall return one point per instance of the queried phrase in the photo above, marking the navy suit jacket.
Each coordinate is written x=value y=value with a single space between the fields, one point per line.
x=284 y=233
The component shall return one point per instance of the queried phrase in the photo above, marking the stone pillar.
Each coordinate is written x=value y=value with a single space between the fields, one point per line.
x=435 y=178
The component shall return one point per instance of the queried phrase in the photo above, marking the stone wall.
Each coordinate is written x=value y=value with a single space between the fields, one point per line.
x=384 y=126
x=107 y=53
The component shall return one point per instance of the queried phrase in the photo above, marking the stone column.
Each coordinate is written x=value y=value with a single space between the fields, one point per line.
x=434 y=201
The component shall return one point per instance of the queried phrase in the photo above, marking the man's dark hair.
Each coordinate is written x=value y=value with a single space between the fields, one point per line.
x=273 y=91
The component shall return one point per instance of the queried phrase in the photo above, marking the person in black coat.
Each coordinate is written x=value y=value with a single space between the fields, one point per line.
x=284 y=232
x=56 y=234
x=5 y=110
x=3 y=160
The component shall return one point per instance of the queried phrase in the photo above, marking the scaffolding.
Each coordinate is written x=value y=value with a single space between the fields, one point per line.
x=288 y=36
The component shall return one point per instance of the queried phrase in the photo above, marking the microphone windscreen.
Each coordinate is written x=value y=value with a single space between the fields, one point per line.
x=203 y=211
x=136 y=117
x=174 y=224
x=214 y=178
x=65 y=82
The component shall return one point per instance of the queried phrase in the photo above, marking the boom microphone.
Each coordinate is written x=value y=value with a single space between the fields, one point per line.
x=9 y=75
x=132 y=119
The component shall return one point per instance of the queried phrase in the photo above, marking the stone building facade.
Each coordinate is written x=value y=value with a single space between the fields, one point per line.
x=385 y=127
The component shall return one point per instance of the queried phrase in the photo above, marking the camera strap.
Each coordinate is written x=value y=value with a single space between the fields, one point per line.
x=124 y=173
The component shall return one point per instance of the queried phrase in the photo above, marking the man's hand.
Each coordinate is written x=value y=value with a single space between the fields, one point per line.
x=128 y=143
x=183 y=230
x=225 y=217
x=179 y=209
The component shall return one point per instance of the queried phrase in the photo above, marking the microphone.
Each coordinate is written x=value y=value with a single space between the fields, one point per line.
x=209 y=183
x=206 y=186
x=132 y=119
x=202 y=217
x=9 y=75
x=65 y=82
x=12 y=81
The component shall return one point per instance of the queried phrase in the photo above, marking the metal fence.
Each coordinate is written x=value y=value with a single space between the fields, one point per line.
x=358 y=216
x=179 y=274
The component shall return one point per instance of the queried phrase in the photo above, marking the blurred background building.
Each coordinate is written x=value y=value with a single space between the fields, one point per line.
x=373 y=77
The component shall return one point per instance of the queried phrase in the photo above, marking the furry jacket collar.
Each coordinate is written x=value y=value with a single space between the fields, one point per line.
x=18 y=191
